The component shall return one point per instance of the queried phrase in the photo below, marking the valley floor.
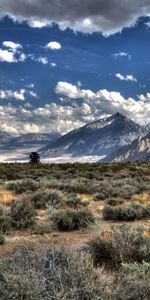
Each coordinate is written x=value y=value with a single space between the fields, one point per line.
x=81 y=225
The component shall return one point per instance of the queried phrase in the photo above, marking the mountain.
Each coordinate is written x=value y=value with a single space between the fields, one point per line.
x=99 y=138
x=138 y=150
x=30 y=140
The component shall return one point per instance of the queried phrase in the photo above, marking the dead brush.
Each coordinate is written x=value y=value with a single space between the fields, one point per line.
x=6 y=197
x=143 y=199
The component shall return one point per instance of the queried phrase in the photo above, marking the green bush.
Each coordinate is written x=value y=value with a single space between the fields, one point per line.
x=74 y=202
x=5 y=224
x=23 y=186
x=2 y=239
x=22 y=214
x=42 y=199
x=115 y=201
x=57 y=274
x=134 y=212
x=68 y=220
x=133 y=282
x=79 y=188
x=126 y=245
x=101 y=196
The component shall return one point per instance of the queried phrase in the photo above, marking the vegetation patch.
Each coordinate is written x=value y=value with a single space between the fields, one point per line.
x=126 y=245
x=134 y=212
x=2 y=239
x=23 y=186
x=22 y=214
x=43 y=198
x=68 y=220
x=74 y=202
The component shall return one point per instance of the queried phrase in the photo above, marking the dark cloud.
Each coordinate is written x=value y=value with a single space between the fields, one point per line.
x=106 y=16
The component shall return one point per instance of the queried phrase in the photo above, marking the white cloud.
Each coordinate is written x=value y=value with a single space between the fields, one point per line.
x=9 y=94
x=69 y=115
x=126 y=78
x=72 y=91
x=31 y=127
x=16 y=95
x=122 y=54
x=22 y=57
x=30 y=86
x=38 y=23
x=53 y=65
x=53 y=46
x=7 y=56
x=32 y=94
x=11 y=45
x=13 y=54
x=106 y=102
x=42 y=60
x=68 y=90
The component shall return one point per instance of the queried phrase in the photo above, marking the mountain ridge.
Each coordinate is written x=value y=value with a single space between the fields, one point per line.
x=138 y=150
x=101 y=137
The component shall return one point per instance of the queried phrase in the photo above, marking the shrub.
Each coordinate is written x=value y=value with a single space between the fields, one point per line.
x=133 y=282
x=134 y=212
x=115 y=201
x=24 y=186
x=2 y=239
x=22 y=214
x=20 y=286
x=74 y=202
x=79 y=187
x=57 y=274
x=101 y=196
x=42 y=199
x=125 y=245
x=69 y=220
x=5 y=224
x=1 y=210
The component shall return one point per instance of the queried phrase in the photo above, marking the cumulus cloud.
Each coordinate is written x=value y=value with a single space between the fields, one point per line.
x=9 y=94
x=53 y=46
x=106 y=102
x=11 y=45
x=70 y=114
x=106 y=16
x=122 y=54
x=72 y=91
x=13 y=53
x=53 y=65
x=7 y=56
x=42 y=60
x=126 y=78
x=32 y=94
x=19 y=95
x=30 y=85
x=38 y=24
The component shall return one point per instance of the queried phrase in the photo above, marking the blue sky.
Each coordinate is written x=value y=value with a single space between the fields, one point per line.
x=55 y=77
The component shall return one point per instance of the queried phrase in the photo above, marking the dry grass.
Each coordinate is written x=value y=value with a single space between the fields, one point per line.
x=6 y=197
x=143 y=199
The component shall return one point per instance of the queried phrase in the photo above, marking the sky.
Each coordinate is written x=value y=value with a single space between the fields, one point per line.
x=66 y=63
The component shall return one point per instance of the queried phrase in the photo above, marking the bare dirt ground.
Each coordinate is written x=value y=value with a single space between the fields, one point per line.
x=66 y=239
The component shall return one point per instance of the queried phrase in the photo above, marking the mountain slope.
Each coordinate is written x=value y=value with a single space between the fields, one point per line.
x=30 y=140
x=101 y=137
x=138 y=150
